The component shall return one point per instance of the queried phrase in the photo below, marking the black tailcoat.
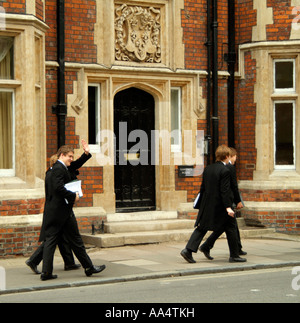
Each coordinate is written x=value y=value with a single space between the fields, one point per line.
x=59 y=201
x=50 y=202
x=234 y=184
x=216 y=196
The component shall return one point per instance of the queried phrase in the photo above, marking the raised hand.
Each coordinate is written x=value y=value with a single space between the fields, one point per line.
x=85 y=146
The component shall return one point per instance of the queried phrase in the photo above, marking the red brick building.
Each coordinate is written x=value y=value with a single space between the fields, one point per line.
x=140 y=81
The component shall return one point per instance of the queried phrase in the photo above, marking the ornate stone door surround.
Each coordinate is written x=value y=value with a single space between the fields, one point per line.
x=158 y=84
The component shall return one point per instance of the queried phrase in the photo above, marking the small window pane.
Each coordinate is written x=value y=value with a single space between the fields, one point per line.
x=284 y=75
x=6 y=58
x=284 y=140
x=6 y=130
x=176 y=116
x=93 y=117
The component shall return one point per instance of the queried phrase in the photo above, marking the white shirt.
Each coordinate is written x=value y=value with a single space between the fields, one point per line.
x=62 y=163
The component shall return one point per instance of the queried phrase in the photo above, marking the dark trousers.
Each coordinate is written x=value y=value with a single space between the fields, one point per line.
x=209 y=243
x=64 y=248
x=231 y=231
x=232 y=235
x=71 y=232
x=195 y=239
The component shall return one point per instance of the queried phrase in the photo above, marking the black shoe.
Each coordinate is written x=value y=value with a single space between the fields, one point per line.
x=206 y=253
x=237 y=259
x=72 y=267
x=187 y=255
x=32 y=267
x=47 y=276
x=242 y=253
x=94 y=270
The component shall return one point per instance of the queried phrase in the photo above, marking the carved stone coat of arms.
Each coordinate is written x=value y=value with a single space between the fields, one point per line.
x=137 y=31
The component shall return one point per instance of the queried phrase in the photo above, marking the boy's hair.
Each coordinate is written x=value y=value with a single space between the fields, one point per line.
x=233 y=152
x=64 y=150
x=53 y=160
x=222 y=153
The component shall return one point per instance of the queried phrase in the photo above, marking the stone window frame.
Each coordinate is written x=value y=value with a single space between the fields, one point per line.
x=288 y=95
x=264 y=54
x=29 y=87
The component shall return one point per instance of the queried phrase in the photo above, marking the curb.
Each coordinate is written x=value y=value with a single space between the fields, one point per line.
x=155 y=275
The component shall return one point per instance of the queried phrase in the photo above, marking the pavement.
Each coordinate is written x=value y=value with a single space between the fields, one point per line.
x=152 y=261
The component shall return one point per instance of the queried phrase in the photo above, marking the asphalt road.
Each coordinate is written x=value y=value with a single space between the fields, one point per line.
x=255 y=286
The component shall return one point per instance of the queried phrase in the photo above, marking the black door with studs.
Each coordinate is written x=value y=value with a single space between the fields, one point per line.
x=134 y=172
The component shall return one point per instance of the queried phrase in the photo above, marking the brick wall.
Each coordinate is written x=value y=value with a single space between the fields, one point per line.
x=80 y=17
x=92 y=183
x=194 y=34
x=14 y=6
x=16 y=241
x=23 y=240
x=194 y=21
x=51 y=119
x=19 y=7
x=283 y=195
x=39 y=9
x=245 y=21
x=282 y=221
x=51 y=35
x=189 y=184
x=282 y=12
x=21 y=207
x=245 y=119
x=80 y=20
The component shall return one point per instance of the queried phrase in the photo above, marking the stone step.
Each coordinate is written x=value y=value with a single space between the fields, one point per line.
x=157 y=231
x=154 y=225
x=108 y=240
x=141 y=226
x=141 y=216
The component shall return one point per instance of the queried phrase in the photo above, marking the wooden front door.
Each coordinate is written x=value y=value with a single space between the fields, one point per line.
x=134 y=174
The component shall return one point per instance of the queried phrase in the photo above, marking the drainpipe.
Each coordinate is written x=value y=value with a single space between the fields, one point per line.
x=215 y=116
x=231 y=60
x=61 y=108
x=208 y=108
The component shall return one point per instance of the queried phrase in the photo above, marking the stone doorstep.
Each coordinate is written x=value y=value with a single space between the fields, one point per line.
x=154 y=225
x=141 y=216
x=108 y=240
x=151 y=225
x=156 y=231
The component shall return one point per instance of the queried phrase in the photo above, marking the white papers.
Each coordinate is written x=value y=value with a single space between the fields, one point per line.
x=196 y=200
x=75 y=187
